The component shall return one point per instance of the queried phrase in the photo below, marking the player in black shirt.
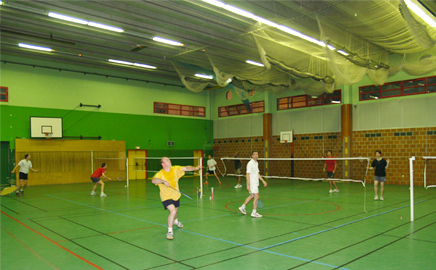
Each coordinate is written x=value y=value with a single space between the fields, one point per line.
x=380 y=165
x=238 y=166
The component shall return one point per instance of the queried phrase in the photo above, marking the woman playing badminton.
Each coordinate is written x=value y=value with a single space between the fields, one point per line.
x=95 y=177
x=330 y=165
x=380 y=165
x=253 y=177
x=168 y=181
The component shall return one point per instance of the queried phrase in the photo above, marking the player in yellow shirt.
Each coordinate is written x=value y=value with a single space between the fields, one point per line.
x=168 y=181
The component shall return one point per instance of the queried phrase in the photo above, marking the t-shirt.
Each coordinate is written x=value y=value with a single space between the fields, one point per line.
x=98 y=173
x=380 y=167
x=238 y=163
x=211 y=163
x=171 y=177
x=253 y=170
x=25 y=165
x=330 y=164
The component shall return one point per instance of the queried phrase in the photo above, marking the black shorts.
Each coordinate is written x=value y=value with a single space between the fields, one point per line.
x=169 y=202
x=95 y=179
x=23 y=176
x=210 y=172
x=330 y=174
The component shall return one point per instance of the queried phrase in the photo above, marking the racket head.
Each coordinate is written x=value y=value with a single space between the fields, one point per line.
x=8 y=190
x=259 y=204
x=120 y=178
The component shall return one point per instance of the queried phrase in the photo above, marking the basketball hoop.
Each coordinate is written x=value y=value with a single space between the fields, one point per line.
x=284 y=141
x=48 y=135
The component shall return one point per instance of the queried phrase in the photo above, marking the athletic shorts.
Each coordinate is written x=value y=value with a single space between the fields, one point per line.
x=238 y=171
x=254 y=188
x=380 y=178
x=169 y=202
x=95 y=179
x=210 y=172
x=330 y=174
x=23 y=176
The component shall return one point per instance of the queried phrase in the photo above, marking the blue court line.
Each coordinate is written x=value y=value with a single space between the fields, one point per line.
x=207 y=236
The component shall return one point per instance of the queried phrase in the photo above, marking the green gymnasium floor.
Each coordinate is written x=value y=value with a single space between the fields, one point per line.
x=303 y=227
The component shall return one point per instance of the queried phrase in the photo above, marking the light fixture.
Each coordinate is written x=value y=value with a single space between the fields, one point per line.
x=374 y=97
x=144 y=66
x=204 y=76
x=167 y=41
x=229 y=80
x=265 y=21
x=336 y=101
x=33 y=47
x=1 y=3
x=67 y=18
x=254 y=63
x=420 y=12
x=239 y=11
x=106 y=27
x=120 y=62
x=215 y=3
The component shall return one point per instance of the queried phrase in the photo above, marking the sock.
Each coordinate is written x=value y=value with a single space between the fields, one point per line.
x=170 y=230
x=176 y=221
x=254 y=211
x=243 y=206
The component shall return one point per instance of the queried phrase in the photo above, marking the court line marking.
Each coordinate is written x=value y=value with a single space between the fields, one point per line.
x=40 y=234
x=214 y=238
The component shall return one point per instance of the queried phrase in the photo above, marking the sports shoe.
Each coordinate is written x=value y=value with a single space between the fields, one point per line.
x=93 y=193
x=206 y=183
x=375 y=197
x=242 y=209
x=22 y=192
x=381 y=198
x=170 y=236
x=103 y=195
x=178 y=224
x=256 y=215
x=220 y=183
x=17 y=193
x=238 y=186
x=336 y=190
x=330 y=191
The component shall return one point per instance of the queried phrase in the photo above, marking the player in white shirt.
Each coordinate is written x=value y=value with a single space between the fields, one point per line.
x=25 y=165
x=253 y=177
x=211 y=169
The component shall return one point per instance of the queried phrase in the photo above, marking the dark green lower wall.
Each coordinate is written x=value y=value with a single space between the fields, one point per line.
x=148 y=132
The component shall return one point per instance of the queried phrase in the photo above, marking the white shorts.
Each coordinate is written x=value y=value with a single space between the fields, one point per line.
x=254 y=188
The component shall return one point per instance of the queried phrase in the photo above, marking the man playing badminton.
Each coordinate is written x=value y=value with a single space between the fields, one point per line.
x=168 y=181
x=253 y=177
x=330 y=165
x=25 y=165
x=211 y=169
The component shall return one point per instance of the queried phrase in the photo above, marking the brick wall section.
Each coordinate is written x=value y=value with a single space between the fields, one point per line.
x=397 y=148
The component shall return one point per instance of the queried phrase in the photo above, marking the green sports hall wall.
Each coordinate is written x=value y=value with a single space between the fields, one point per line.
x=126 y=112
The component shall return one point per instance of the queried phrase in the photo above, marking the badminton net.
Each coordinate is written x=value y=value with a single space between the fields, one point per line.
x=429 y=170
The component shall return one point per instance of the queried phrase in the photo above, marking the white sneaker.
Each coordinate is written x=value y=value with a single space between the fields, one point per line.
x=381 y=198
x=170 y=236
x=178 y=224
x=93 y=193
x=330 y=191
x=256 y=215
x=103 y=195
x=242 y=209
x=237 y=186
x=336 y=190
x=375 y=197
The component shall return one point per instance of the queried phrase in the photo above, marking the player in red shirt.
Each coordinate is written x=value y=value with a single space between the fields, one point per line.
x=95 y=177
x=331 y=168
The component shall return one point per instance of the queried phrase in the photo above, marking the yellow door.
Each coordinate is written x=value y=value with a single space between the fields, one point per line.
x=137 y=164
x=199 y=154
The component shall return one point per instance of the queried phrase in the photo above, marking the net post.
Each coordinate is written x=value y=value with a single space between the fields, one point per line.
x=201 y=176
x=412 y=200
x=127 y=171
x=92 y=161
x=425 y=173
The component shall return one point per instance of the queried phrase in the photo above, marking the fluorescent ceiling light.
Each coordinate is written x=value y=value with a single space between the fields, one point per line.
x=144 y=66
x=239 y=11
x=336 y=101
x=167 y=41
x=1 y=3
x=107 y=27
x=120 y=62
x=67 y=18
x=33 y=47
x=421 y=13
x=229 y=80
x=265 y=21
x=254 y=63
x=215 y=3
x=204 y=76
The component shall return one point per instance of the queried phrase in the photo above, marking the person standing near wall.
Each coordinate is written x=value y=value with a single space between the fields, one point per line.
x=238 y=167
x=380 y=165
x=25 y=165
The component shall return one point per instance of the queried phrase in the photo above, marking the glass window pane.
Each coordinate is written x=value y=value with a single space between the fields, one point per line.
x=370 y=96
x=391 y=86
x=3 y=97
x=371 y=88
x=431 y=89
x=414 y=83
x=391 y=93
x=299 y=102
x=431 y=80
x=3 y=90
x=414 y=90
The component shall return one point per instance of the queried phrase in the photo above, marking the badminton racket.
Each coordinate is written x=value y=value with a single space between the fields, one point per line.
x=8 y=190
x=181 y=193
x=259 y=202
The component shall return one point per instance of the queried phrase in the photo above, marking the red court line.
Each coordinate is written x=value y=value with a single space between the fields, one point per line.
x=69 y=251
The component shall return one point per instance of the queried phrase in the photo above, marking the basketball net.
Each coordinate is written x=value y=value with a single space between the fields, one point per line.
x=48 y=135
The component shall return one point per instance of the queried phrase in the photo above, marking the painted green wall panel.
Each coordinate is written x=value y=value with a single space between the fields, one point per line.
x=148 y=132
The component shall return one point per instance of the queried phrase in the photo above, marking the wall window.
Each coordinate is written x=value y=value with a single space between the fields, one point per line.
x=177 y=109
x=3 y=94
x=397 y=89
x=256 y=107
x=302 y=101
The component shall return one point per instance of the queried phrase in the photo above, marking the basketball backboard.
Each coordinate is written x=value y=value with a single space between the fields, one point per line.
x=39 y=126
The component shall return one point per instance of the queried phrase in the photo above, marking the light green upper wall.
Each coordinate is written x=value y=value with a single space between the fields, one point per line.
x=49 y=88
